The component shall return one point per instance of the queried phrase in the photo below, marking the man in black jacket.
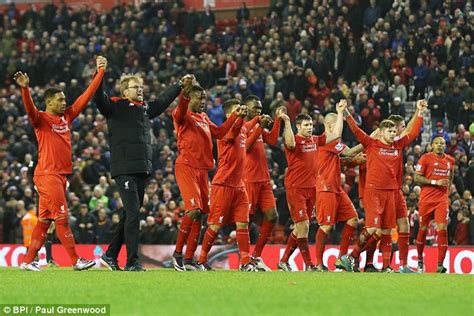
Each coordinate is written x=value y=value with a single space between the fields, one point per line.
x=128 y=120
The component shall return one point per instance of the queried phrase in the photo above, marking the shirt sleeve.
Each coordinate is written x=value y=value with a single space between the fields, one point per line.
x=81 y=102
x=271 y=138
x=31 y=110
x=219 y=132
x=420 y=168
x=180 y=111
x=361 y=136
x=234 y=131
x=412 y=135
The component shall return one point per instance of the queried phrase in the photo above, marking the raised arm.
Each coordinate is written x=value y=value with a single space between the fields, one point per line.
x=288 y=136
x=253 y=137
x=411 y=122
x=82 y=101
x=271 y=138
x=235 y=130
x=351 y=152
x=181 y=109
x=219 y=132
x=102 y=101
x=361 y=136
x=164 y=101
x=337 y=132
x=418 y=123
x=23 y=81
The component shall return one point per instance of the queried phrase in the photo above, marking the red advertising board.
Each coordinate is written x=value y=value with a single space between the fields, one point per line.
x=458 y=260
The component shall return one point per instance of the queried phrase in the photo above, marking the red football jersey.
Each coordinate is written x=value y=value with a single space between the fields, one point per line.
x=383 y=161
x=256 y=167
x=433 y=167
x=329 y=167
x=302 y=162
x=231 y=156
x=194 y=132
x=54 y=131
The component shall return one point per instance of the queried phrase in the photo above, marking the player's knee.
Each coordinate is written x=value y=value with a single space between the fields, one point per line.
x=241 y=225
x=194 y=214
x=402 y=224
x=45 y=220
x=302 y=229
x=326 y=228
x=353 y=222
x=385 y=231
x=214 y=227
x=271 y=216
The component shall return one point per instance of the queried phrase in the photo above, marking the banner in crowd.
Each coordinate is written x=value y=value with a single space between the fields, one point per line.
x=458 y=260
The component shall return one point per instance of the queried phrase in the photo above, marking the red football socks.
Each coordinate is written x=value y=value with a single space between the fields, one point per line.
x=37 y=240
x=363 y=239
x=442 y=245
x=193 y=240
x=403 y=243
x=386 y=247
x=346 y=239
x=207 y=243
x=243 y=241
x=321 y=237
x=265 y=232
x=290 y=248
x=420 y=243
x=64 y=234
x=183 y=233
x=304 y=249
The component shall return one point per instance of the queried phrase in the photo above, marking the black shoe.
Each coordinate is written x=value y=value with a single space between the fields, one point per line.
x=178 y=263
x=136 y=267
x=110 y=263
x=370 y=268
x=441 y=269
x=190 y=265
x=204 y=267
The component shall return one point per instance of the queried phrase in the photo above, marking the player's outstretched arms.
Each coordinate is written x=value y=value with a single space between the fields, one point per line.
x=167 y=97
x=23 y=81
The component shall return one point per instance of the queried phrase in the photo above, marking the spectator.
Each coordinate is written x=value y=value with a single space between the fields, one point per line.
x=437 y=105
x=85 y=226
x=440 y=132
x=243 y=13
x=370 y=116
x=420 y=76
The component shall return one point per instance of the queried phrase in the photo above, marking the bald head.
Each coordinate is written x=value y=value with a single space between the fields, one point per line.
x=330 y=121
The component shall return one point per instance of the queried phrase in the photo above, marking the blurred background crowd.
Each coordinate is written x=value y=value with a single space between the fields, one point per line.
x=305 y=55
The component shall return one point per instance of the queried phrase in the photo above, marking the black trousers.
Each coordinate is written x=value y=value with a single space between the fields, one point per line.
x=131 y=189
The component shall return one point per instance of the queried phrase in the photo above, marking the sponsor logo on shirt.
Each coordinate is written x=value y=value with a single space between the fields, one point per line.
x=441 y=172
x=388 y=152
x=61 y=129
x=309 y=148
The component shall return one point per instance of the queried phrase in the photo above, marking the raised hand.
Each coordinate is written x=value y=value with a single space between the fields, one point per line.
x=341 y=106
x=187 y=82
x=265 y=121
x=101 y=62
x=241 y=111
x=421 y=105
x=21 y=79
x=285 y=117
x=279 y=111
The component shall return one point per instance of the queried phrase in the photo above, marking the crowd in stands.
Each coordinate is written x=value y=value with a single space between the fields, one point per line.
x=306 y=55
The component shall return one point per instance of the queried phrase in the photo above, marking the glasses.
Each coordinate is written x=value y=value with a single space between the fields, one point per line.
x=135 y=87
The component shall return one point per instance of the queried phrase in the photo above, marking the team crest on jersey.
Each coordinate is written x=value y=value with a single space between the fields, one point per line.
x=376 y=221
x=301 y=212
x=328 y=218
x=126 y=185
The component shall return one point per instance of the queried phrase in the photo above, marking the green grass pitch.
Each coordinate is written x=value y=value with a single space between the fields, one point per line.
x=166 y=292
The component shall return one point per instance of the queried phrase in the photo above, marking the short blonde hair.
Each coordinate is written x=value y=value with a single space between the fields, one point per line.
x=126 y=78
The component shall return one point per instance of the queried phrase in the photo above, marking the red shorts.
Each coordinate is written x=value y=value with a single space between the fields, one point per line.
x=334 y=207
x=228 y=205
x=400 y=205
x=380 y=208
x=437 y=210
x=301 y=202
x=194 y=187
x=52 y=195
x=260 y=196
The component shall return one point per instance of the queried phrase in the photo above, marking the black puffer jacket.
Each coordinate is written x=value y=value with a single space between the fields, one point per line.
x=129 y=129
